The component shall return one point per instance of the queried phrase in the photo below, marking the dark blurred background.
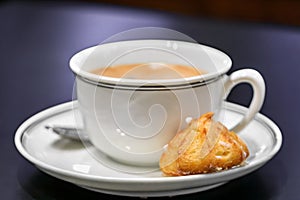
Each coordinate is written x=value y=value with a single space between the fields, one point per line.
x=286 y=12
x=271 y=11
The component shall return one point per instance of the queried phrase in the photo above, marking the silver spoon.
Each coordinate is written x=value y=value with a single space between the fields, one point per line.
x=69 y=132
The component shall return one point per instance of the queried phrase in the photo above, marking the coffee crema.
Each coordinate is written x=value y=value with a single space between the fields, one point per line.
x=148 y=71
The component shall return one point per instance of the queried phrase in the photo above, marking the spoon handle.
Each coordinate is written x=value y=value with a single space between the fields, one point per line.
x=69 y=132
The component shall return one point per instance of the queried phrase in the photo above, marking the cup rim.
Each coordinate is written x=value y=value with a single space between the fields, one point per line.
x=125 y=82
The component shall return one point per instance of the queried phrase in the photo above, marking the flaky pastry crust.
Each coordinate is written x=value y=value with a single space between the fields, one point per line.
x=205 y=146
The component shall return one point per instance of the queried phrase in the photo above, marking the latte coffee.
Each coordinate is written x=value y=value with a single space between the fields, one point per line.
x=148 y=71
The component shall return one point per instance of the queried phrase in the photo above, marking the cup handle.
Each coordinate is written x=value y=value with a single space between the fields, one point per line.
x=257 y=82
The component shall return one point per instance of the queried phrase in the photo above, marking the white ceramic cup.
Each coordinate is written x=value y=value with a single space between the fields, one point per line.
x=131 y=120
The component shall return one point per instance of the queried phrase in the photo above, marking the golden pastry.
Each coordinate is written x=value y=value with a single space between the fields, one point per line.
x=205 y=146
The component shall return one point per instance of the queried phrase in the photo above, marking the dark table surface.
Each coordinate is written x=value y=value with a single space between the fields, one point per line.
x=37 y=40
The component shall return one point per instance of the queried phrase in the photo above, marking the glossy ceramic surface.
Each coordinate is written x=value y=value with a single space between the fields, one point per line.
x=85 y=166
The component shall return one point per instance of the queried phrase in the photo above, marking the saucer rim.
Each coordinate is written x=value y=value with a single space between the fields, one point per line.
x=209 y=178
x=163 y=193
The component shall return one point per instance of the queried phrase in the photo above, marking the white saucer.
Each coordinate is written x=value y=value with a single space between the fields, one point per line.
x=83 y=165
